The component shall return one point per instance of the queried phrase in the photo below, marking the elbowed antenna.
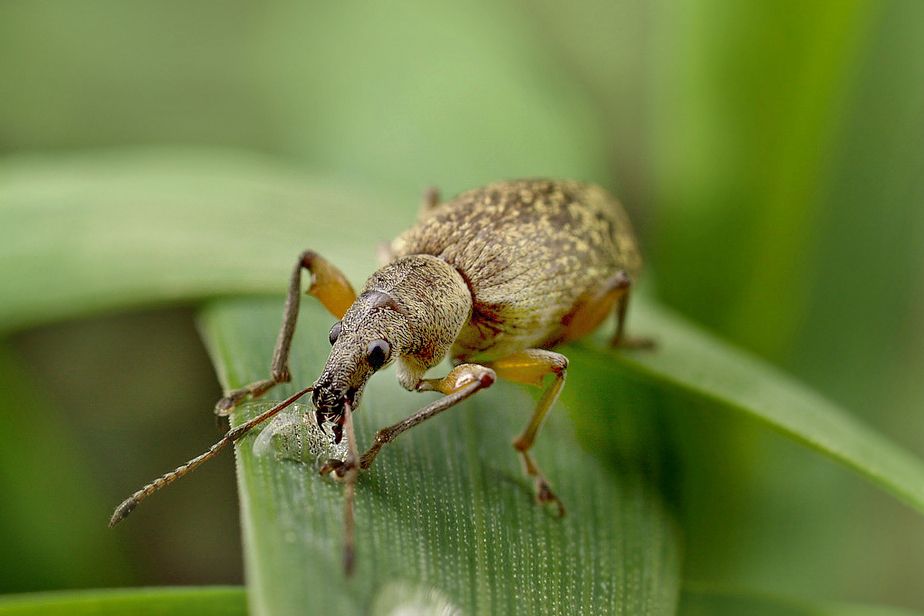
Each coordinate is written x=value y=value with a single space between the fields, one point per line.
x=121 y=512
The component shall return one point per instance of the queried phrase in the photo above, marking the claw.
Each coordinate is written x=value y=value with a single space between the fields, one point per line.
x=339 y=467
x=224 y=406
x=223 y=410
x=333 y=465
x=545 y=495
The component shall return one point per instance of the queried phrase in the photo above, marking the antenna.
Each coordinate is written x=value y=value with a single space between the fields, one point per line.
x=121 y=512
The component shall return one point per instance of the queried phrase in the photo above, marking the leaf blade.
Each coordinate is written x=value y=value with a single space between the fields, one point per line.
x=691 y=360
x=445 y=508
x=207 y=601
x=708 y=602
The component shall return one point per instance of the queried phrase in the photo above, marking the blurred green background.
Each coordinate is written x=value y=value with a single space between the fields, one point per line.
x=771 y=153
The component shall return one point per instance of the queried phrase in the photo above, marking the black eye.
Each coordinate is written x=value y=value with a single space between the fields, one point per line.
x=377 y=353
x=335 y=332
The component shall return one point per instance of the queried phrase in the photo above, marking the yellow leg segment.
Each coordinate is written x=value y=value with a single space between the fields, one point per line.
x=613 y=294
x=331 y=287
x=328 y=284
x=612 y=297
x=529 y=367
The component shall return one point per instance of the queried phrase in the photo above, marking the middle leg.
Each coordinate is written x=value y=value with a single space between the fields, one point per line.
x=530 y=367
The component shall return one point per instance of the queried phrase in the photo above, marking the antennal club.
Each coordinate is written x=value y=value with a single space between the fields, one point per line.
x=121 y=512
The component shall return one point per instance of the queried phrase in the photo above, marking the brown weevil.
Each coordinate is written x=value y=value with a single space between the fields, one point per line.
x=492 y=279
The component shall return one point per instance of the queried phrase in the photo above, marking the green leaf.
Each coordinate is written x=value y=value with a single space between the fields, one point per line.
x=693 y=362
x=686 y=360
x=445 y=509
x=746 y=101
x=205 y=601
x=467 y=447
x=699 y=602
x=123 y=228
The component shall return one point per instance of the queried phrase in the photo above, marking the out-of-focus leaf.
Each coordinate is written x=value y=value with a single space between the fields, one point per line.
x=706 y=603
x=204 y=601
x=696 y=364
x=400 y=95
x=745 y=110
x=106 y=73
x=37 y=526
x=456 y=95
x=85 y=233
x=787 y=171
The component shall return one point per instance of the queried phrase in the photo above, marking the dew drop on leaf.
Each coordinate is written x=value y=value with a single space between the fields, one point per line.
x=294 y=435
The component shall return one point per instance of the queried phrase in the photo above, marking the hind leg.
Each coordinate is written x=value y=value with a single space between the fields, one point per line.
x=611 y=297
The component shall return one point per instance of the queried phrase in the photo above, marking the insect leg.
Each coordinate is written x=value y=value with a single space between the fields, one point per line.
x=334 y=291
x=530 y=367
x=429 y=200
x=463 y=381
x=612 y=296
x=351 y=473
x=591 y=314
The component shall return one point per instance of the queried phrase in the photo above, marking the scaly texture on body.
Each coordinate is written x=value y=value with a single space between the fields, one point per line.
x=531 y=252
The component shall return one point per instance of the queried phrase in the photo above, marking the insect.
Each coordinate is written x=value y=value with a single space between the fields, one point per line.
x=493 y=279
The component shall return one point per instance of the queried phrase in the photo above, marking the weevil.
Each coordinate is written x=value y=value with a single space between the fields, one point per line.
x=494 y=279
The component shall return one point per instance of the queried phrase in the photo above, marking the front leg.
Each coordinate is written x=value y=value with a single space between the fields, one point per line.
x=331 y=287
x=462 y=382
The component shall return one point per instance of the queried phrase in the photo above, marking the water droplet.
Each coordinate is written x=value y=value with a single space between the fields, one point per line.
x=294 y=435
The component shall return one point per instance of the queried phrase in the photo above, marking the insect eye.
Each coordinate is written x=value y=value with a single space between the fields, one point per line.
x=377 y=353
x=335 y=332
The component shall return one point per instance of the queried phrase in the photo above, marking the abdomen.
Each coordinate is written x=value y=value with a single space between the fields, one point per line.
x=531 y=251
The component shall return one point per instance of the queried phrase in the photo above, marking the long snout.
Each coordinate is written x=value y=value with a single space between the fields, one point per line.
x=330 y=398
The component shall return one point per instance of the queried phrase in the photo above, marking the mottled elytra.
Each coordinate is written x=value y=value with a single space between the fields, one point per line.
x=492 y=279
